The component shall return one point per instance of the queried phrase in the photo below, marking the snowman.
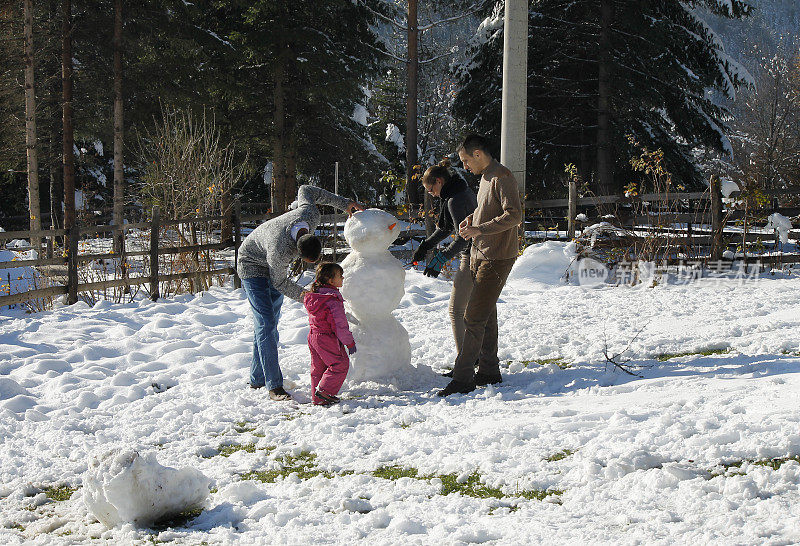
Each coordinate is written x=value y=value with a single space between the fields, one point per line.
x=373 y=287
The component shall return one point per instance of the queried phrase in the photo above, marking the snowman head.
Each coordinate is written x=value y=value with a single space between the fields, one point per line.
x=371 y=230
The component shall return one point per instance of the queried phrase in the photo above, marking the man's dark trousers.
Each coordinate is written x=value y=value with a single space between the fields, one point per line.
x=480 y=320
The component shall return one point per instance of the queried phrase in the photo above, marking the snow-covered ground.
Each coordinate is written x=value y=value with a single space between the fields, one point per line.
x=566 y=449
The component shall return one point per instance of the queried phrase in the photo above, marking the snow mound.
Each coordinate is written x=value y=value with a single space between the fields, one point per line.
x=548 y=263
x=781 y=224
x=122 y=486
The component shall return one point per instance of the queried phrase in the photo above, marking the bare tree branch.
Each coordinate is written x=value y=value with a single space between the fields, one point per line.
x=474 y=8
x=389 y=20
x=437 y=57
x=622 y=365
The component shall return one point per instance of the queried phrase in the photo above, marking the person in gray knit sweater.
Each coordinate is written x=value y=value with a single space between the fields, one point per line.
x=265 y=257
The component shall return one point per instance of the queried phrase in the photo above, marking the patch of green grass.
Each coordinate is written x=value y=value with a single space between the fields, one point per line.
x=471 y=487
x=228 y=450
x=558 y=361
x=243 y=426
x=303 y=465
x=59 y=493
x=534 y=494
x=394 y=472
x=16 y=526
x=563 y=454
x=705 y=352
x=774 y=464
x=777 y=462
x=179 y=520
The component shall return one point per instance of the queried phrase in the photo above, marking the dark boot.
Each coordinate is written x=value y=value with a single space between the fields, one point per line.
x=457 y=387
x=482 y=379
x=279 y=395
x=450 y=373
x=326 y=399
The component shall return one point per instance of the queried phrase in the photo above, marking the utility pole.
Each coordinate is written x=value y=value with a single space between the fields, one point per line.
x=119 y=177
x=412 y=66
x=605 y=166
x=515 y=92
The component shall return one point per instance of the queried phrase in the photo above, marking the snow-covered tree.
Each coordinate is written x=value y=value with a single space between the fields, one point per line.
x=662 y=60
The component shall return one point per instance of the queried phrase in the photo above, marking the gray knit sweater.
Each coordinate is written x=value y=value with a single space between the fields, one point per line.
x=270 y=249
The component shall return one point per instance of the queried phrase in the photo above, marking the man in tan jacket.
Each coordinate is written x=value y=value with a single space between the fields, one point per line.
x=493 y=229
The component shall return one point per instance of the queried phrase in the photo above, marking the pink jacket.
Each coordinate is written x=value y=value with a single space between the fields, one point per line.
x=326 y=314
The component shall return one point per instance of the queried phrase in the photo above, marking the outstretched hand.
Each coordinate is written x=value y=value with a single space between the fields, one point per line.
x=354 y=206
x=469 y=232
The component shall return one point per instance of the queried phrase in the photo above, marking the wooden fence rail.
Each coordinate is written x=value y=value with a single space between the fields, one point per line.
x=71 y=259
x=712 y=214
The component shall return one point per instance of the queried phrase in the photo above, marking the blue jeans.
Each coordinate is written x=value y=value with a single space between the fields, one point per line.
x=266 y=304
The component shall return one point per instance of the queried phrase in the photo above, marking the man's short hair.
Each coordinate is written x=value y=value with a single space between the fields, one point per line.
x=309 y=246
x=474 y=142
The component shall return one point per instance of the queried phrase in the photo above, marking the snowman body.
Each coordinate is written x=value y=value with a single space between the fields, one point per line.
x=374 y=284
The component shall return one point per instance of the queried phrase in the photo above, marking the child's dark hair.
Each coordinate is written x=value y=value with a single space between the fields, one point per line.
x=309 y=247
x=324 y=274
x=442 y=170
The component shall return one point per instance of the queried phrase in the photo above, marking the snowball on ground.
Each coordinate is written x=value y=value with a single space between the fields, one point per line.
x=122 y=486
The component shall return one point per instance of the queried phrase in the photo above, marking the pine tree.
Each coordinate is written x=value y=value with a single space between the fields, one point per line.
x=301 y=69
x=663 y=61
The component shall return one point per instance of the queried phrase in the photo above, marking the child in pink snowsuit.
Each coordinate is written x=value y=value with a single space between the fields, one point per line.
x=329 y=340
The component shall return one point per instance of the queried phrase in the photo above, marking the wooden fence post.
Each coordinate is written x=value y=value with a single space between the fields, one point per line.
x=716 y=218
x=572 y=209
x=154 y=229
x=237 y=240
x=72 y=264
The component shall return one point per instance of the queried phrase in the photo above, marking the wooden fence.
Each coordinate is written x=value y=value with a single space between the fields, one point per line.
x=67 y=263
x=699 y=209
x=702 y=213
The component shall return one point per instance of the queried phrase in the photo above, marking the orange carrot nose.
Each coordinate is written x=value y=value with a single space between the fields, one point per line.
x=392 y=226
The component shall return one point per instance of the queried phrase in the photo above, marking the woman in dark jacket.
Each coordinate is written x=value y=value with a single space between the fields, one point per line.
x=458 y=202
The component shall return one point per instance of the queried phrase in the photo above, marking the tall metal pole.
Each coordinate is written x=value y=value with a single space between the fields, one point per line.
x=515 y=90
x=412 y=65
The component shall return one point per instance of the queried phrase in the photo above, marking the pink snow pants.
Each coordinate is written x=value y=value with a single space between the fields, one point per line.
x=329 y=364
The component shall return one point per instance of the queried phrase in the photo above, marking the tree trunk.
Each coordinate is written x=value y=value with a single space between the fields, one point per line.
x=412 y=183
x=290 y=167
x=717 y=225
x=30 y=130
x=279 y=203
x=605 y=172
x=119 y=180
x=66 y=109
x=226 y=225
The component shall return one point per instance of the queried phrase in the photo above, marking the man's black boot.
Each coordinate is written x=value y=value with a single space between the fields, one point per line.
x=457 y=387
x=279 y=395
x=450 y=373
x=482 y=379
